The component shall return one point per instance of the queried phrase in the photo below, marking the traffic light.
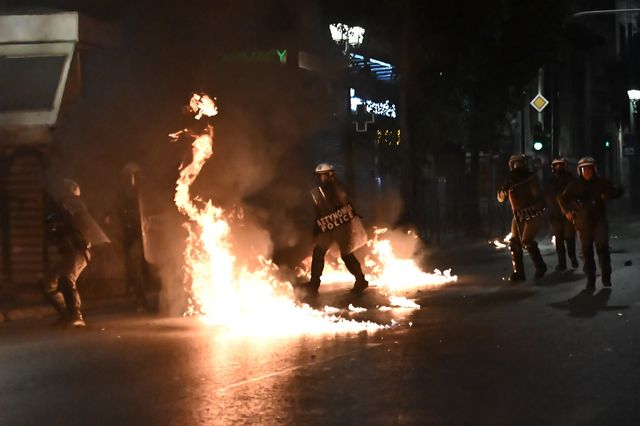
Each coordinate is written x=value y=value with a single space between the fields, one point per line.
x=539 y=142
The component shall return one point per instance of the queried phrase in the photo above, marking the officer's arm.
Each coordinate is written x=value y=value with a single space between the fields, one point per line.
x=565 y=201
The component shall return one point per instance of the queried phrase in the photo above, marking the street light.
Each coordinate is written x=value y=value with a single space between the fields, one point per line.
x=634 y=96
x=346 y=37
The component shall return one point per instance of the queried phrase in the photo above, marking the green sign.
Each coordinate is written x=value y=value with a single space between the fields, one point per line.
x=258 y=56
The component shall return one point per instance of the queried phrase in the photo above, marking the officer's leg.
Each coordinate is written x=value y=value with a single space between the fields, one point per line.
x=515 y=248
x=601 y=239
x=558 y=233
x=589 y=267
x=78 y=261
x=53 y=295
x=570 y=238
x=71 y=296
x=317 y=266
x=530 y=230
x=353 y=265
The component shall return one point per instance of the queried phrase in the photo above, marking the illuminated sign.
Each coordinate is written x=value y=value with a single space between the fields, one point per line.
x=382 y=70
x=264 y=56
x=386 y=108
x=363 y=119
x=388 y=137
x=346 y=36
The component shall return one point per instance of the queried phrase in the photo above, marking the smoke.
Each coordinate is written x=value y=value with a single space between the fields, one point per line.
x=270 y=113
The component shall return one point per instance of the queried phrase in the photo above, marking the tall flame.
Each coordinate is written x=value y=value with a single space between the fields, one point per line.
x=224 y=290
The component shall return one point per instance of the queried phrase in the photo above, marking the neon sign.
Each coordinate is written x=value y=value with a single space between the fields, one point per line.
x=266 y=56
x=386 y=108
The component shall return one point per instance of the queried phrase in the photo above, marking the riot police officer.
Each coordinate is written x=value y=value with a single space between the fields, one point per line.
x=336 y=223
x=563 y=230
x=74 y=231
x=583 y=203
x=525 y=195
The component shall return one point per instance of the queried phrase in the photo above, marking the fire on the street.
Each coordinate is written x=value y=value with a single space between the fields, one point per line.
x=246 y=295
x=385 y=269
x=499 y=244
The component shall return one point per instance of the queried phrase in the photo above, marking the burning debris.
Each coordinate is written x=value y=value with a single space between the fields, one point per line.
x=501 y=243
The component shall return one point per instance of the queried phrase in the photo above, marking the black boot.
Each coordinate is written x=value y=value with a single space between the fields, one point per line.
x=604 y=259
x=591 y=282
x=541 y=267
x=571 y=251
x=562 y=258
x=310 y=288
x=360 y=285
x=517 y=264
x=353 y=265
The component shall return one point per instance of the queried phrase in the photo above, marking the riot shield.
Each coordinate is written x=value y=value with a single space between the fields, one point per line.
x=337 y=222
x=84 y=223
x=527 y=199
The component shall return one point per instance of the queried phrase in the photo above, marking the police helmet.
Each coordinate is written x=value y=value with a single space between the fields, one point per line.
x=324 y=168
x=558 y=163
x=586 y=162
x=517 y=161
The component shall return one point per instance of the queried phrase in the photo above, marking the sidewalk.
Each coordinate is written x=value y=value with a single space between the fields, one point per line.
x=43 y=310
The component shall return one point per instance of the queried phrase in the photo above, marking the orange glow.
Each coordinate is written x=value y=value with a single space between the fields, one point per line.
x=244 y=295
x=248 y=296
x=385 y=268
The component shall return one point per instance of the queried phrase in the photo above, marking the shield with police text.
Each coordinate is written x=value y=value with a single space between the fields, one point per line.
x=337 y=222
x=526 y=199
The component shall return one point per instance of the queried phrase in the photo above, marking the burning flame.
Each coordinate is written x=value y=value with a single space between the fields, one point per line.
x=502 y=243
x=224 y=290
x=384 y=269
x=395 y=274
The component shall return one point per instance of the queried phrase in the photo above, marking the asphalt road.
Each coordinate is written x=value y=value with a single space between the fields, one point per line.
x=480 y=351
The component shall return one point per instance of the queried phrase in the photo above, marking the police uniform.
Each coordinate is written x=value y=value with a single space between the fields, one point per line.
x=584 y=201
x=522 y=189
x=73 y=230
x=336 y=223
x=563 y=230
